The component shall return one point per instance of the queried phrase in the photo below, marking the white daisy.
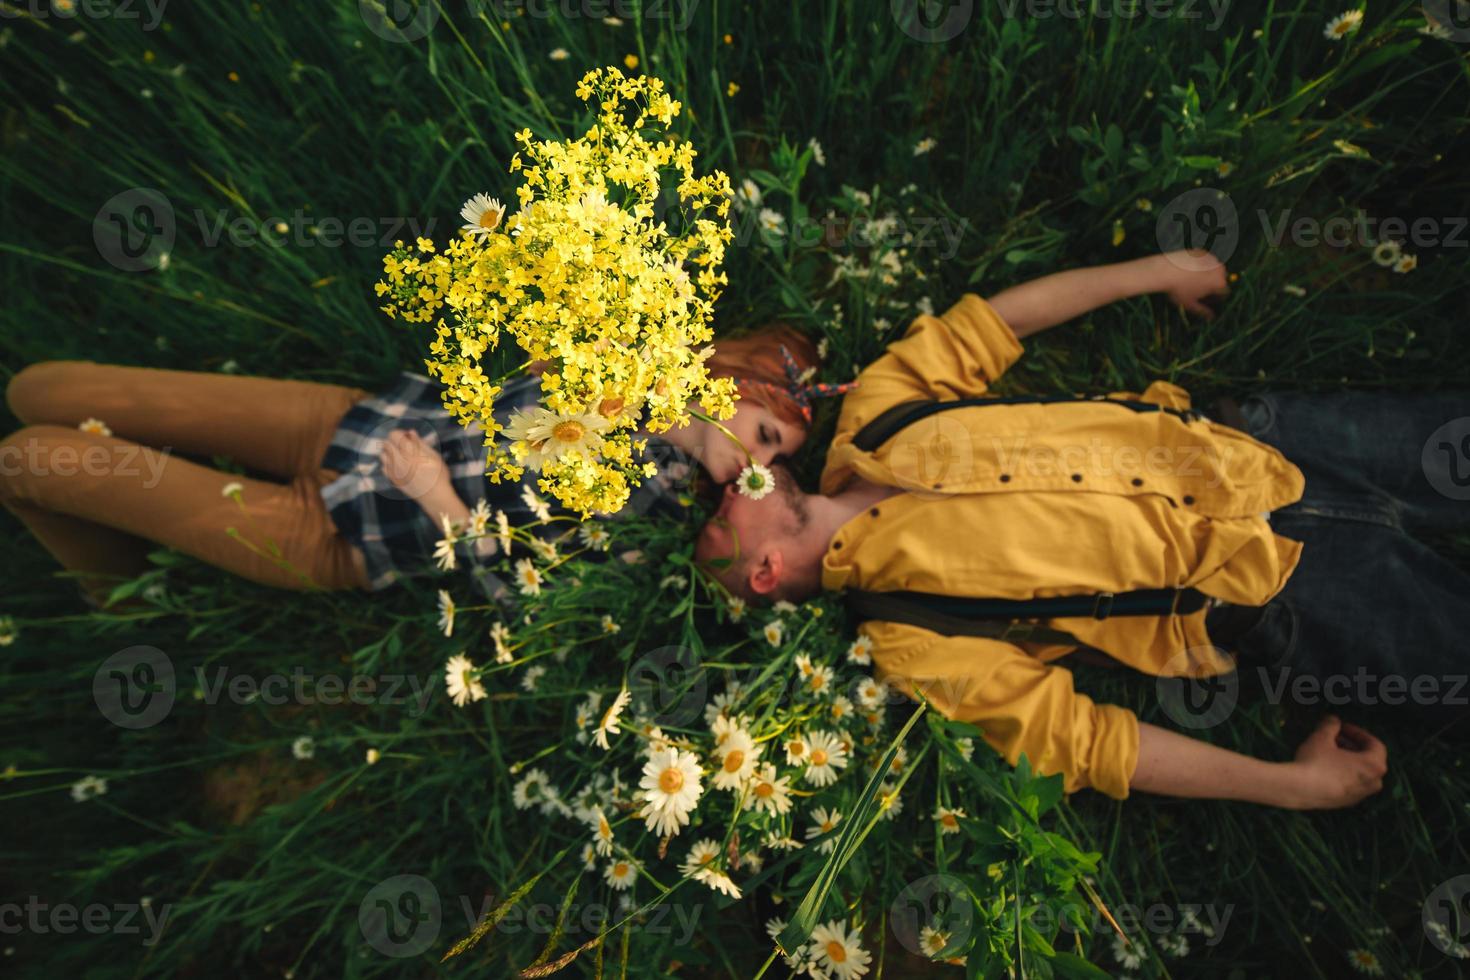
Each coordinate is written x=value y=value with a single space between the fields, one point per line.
x=446 y=613
x=774 y=927
x=670 y=788
x=797 y=750
x=532 y=675
x=841 y=708
x=781 y=607
x=1128 y=954
x=589 y=857
x=559 y=54
x=535 y=504
x=594 y=536
x=748 y=194
x=500 y=635
x=609 y=723
x=460 y=681
x=768 y=792
x=444 y=547
x=774 y=631
x=502 y=529
x=622 y=873
x=773 y=221
x=482 y=214
x=304 y=747
x=838 y=951
x=87 y=787
x=697 y=866
x=609 y=626
x=528 y=579
x=948 y=819
x=861 y=650
x=479 y=519
x=819 y=681
x=547 y=436
x=531 y=790
x=676 y=582
x=826 y=822
x=96 y=427
x=825 y=755
x=231 y=488
x=1386 y=253
x=818 y=156
x=924 y=146
x=966 y=747
x=870 y=693
x=1342 y=25
x=1365 y=962
x=8 y=631
x=1406 y=263
x=736 y=757
x=736 y=607
x=932 y=941
x=602 y=835
x=755 y=481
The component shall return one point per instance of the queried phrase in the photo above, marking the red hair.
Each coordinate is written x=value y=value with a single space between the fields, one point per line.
x=756 y=356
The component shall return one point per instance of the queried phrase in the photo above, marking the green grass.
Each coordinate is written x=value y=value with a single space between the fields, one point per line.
x=1049 y=132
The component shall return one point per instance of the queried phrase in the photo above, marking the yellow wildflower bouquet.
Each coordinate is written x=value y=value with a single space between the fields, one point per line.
x=592 y=282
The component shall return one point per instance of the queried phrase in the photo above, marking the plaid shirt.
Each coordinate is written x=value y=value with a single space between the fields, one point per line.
x=395 y=534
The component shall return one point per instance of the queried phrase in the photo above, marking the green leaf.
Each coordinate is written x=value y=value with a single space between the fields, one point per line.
x=1072 y=965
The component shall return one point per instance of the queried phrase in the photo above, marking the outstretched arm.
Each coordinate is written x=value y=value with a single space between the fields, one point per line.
x=1188 y=277
x=1337 y=766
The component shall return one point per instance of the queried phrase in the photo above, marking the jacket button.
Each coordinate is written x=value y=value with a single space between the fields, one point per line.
x=1188 y=500
x=1076 y=477
x=1137 y=482
x=1005 y=478
x=874 y=512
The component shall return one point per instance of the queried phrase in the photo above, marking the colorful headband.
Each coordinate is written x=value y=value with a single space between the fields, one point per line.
x=800 y=391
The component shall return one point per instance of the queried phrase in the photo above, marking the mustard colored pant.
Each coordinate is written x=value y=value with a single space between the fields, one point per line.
x=95 y=501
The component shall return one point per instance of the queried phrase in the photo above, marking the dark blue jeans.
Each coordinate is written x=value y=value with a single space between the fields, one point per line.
x=1372 y=616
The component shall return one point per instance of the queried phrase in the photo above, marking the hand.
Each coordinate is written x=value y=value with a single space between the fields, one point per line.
x=1191 y=276
x=1338 y=765
x=412 y=465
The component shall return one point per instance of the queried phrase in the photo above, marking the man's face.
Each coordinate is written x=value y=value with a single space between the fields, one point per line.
x=744 y=529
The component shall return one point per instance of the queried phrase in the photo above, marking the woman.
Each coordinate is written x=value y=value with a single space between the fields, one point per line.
x=357 y=487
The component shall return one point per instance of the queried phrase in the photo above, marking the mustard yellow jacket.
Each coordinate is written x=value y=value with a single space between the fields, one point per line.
x=1033 y=500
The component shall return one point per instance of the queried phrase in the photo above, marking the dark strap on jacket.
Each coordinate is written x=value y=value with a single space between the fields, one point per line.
x=997 y=618
x=904 y=414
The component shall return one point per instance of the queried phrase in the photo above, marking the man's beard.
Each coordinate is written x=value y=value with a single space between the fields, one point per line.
x=794 y=499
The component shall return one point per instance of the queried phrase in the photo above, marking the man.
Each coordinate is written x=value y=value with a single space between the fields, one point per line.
x=1099 y=499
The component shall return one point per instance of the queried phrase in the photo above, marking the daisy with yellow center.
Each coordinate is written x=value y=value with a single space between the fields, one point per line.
x=532 y=790
x=670 y=789
x=699 y=866
x=797 y=750
x=932 y=941
x=774 y=631
x=96 y=427
x=622 y=873
x=1406 y=263
x=444 y=548
x=1365 y=962
x=870 y=693
x=602 y=835
x=479 y=520
x=841 y=709
x=446 y=613
x=861 y=650
x=735 y=760
x=500 y=635
x=609 y=723
x=461 y=682
x=819 y=682
x=768 y=793
x=825 y=755
x=594 y=536
x=948 y=819
x=736 y=607
x=482 y=214
x=803 y=664
x=1343 y=24
x=540 y=435
x=528 y=579
x=838 y=951
x=826 y=822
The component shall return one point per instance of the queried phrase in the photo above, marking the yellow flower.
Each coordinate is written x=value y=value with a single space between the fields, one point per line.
x=631 y=61
x=731 y=89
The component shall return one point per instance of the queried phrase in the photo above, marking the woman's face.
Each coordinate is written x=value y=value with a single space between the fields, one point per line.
x=763 y=434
